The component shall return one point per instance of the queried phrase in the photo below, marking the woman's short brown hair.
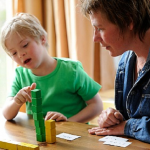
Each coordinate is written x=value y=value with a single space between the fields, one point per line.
x=122 y=13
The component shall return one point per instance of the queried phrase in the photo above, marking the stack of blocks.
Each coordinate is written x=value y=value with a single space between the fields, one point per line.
x=44 y=132
x=38 y=115
x=50 y=131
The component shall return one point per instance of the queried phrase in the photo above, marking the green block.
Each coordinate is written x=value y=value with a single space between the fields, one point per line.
x=36 y=109
x=40 y=130
x=36 y=93
x=38 y=116
x=39 y=123
x=37 y=101
x=41 y=138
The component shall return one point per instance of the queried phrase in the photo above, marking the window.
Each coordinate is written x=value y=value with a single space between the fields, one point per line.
x=6 y=64
x=2 y=56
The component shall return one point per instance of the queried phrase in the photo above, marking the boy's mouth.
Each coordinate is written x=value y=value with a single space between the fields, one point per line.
x=27 y=60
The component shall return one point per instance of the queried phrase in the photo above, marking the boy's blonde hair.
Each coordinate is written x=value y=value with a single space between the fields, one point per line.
x=25 y=25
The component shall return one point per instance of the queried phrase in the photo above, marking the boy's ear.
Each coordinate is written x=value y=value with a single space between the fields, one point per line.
x=43 y=39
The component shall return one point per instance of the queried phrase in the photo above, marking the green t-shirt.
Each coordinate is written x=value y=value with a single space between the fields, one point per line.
x=64 y=90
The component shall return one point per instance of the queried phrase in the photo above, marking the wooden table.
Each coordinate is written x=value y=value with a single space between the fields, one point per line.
x=22 y=129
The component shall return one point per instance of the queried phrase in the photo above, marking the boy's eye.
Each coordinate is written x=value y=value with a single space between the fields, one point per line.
x=14 y=53
x=25 y=45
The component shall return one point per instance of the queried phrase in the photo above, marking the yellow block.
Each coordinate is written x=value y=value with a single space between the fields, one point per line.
x=50 y=124
x=3 y=144
x=11 y=145
x=27 y=146
x=50 y=139
x=50 y=132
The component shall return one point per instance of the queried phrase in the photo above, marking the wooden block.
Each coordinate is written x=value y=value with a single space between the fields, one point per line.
x=40 y=130
x=11 y=145
x=33 y=147
x=39 y=123
x=38 y=116
x=27 y=146
x=23 y=146
x=51 y=139
x=41 y=138
x=36 y=109
x=37 y=102
x=50 y=124
x=3 y=143
x=51 y=132
x=36 y=93
x=19 y=146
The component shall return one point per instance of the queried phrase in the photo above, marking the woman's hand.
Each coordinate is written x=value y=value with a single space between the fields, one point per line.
x=109 y=117
x=113 y=130
x=55 y=116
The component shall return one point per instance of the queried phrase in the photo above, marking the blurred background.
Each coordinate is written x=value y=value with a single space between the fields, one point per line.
x=70 y=34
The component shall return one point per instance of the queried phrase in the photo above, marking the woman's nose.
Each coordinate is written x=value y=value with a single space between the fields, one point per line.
x=97 y=37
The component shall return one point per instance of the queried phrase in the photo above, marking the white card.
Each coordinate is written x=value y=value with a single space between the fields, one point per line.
x=109 y=143
x=106 y=138
x=67 y=136
x=115 y=141
x=124 y=144
x=113 y=138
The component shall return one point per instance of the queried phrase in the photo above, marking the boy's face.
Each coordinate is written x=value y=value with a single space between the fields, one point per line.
x=25 y=51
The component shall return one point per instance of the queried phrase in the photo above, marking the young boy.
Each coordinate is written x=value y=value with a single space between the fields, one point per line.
x=68 y=93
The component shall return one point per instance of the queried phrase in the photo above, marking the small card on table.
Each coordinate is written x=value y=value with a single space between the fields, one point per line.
x=115 y=141
x=67 y=136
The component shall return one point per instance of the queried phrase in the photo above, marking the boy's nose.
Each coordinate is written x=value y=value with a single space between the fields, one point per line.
x=22 y=54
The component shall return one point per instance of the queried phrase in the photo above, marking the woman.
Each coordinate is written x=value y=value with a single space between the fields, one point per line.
x=123 y=28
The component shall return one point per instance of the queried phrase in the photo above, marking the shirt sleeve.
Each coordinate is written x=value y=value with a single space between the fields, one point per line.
x=86 y=87
x=138 y=128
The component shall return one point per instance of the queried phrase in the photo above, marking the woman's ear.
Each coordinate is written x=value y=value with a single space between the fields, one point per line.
x=130 y=27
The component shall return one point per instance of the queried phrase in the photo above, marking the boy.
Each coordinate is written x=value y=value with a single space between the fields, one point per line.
x=68 y=93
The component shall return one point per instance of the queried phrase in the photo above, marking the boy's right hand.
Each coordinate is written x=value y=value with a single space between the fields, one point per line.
x=24 y=94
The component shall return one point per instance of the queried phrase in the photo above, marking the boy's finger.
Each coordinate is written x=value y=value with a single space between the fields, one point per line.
x=26 y=96
x=33 y=86
x=46 y=118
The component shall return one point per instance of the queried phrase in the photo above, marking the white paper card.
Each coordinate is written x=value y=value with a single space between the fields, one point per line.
x=67 y=136
x=113 y=138
x=115 y=141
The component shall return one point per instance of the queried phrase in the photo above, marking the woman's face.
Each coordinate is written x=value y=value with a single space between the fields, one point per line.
x=109 y=35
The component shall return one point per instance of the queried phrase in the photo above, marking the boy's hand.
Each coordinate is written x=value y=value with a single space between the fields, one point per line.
x=109 y=117
x=24 y=94
x=55 y=116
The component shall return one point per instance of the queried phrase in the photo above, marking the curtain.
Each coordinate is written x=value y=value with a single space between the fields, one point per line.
x=70 y=35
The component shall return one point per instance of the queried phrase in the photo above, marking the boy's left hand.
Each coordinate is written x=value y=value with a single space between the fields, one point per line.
x=55 y=116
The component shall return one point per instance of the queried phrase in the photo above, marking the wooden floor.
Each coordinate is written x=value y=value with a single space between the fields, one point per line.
x=108 y=101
